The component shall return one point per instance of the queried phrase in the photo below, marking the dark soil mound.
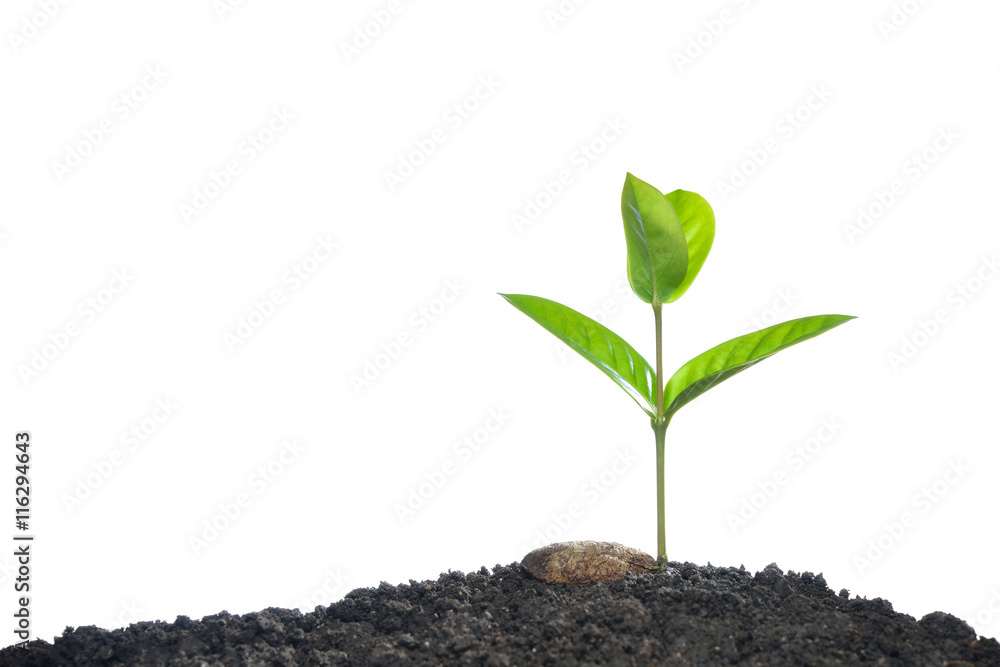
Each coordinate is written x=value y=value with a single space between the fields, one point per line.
x=686 y=615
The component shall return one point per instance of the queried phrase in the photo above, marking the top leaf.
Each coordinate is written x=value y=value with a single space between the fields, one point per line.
x=655 y=241
x=698 y=220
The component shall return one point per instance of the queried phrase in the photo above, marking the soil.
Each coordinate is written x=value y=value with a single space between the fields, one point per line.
x=685 y=615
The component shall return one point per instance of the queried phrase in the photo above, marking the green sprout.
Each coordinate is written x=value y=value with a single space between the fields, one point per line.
x=667 y=238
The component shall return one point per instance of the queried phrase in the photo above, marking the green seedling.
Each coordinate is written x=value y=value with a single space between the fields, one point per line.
x=667 y=238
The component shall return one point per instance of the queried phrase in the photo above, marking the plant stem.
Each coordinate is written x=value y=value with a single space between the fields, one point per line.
x=660 y=430
x=661 y=519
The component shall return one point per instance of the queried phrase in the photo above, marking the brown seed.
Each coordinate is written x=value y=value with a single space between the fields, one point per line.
x=586 y=562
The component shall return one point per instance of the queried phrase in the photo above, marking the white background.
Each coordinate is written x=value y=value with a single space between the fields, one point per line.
x=806 y=112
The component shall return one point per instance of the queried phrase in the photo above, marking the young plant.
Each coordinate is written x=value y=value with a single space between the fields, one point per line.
x=667 y=238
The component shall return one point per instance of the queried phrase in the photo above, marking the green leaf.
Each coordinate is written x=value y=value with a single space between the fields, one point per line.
x=698 y=220
x=654 y=239
x=595 y=343
x=724 y=361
